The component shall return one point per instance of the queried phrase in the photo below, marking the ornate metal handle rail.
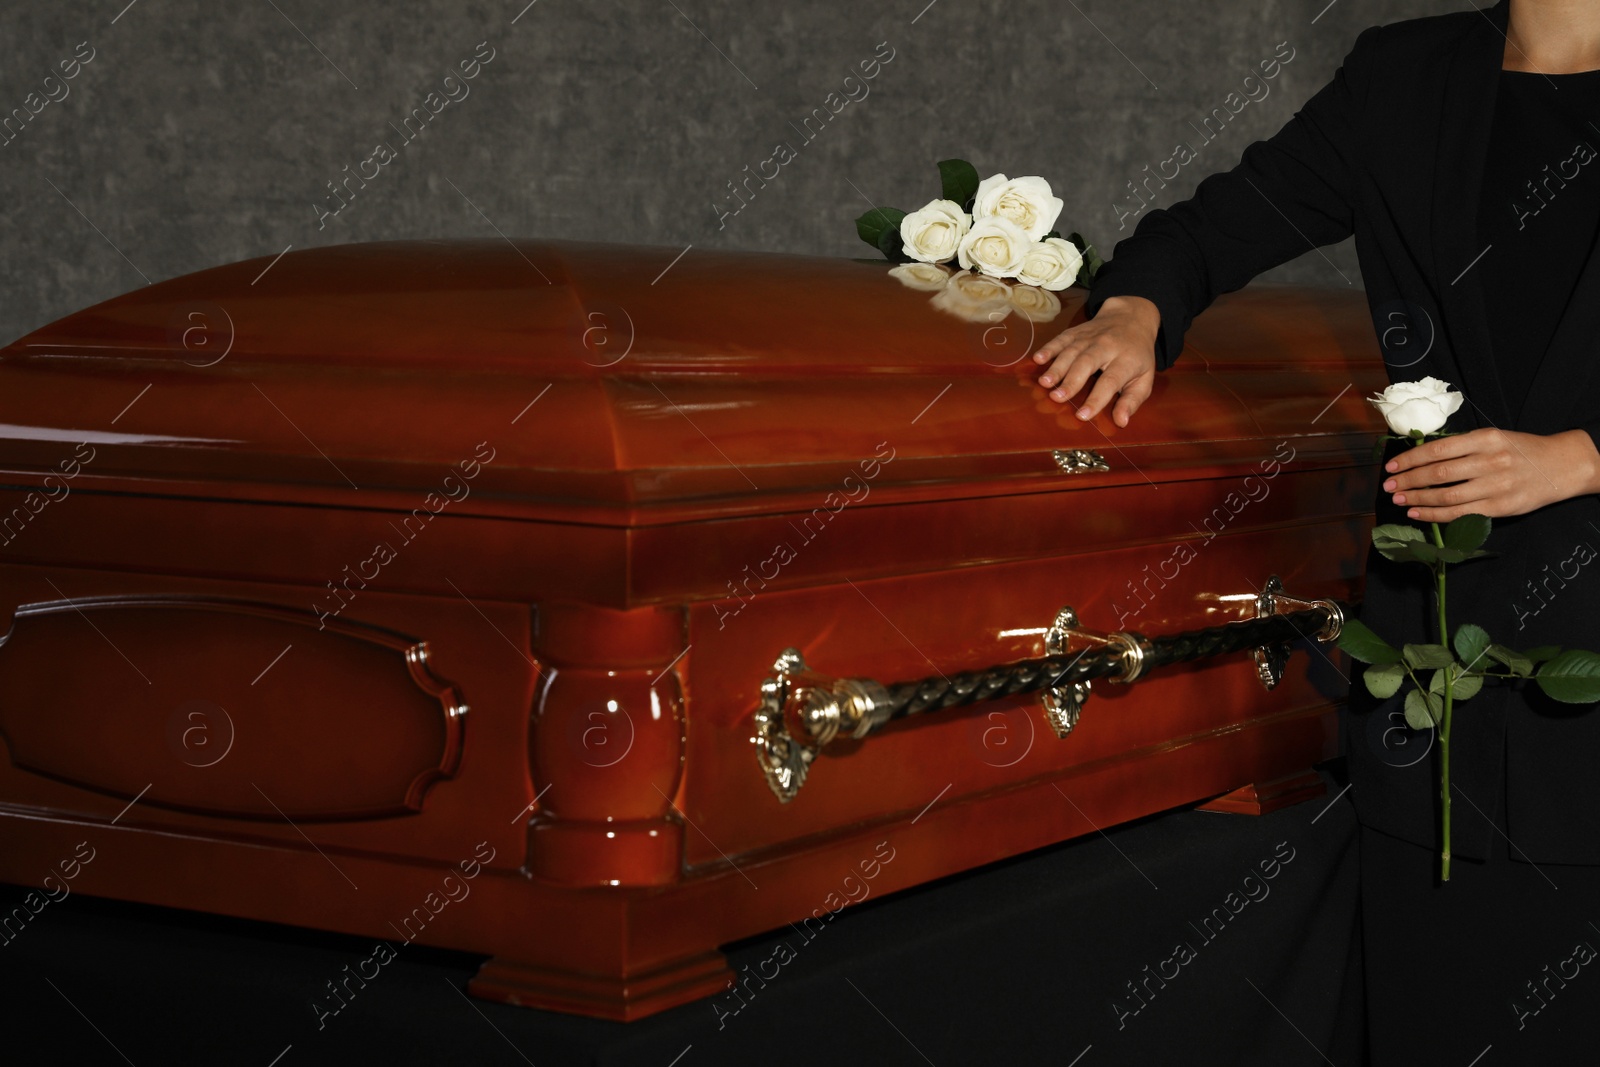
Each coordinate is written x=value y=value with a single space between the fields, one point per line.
x=802 y=711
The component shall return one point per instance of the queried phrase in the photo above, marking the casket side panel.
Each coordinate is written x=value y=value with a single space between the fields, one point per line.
x=322 y=720
x=1310 y=528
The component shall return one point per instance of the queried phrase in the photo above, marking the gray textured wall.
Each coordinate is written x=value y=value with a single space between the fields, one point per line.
x=201 y=133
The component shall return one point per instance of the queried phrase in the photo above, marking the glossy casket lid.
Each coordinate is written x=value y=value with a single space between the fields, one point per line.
x=631 y=385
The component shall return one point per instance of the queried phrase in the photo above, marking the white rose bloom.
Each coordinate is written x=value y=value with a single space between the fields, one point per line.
x=1051 y=264
x=929 y=277
x=974 y=298
x=1035 y=304
x=1027 y=202
x=932 y=234
x=1424 y=405
x=995 y=245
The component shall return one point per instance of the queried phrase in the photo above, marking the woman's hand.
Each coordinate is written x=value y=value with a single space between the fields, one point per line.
x=1497 y=473
x=1120 y=343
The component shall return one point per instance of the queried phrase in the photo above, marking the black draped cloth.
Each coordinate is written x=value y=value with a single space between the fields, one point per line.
x=1192 y=937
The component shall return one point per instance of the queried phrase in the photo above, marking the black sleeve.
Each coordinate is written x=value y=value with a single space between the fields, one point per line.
x=1289 y=193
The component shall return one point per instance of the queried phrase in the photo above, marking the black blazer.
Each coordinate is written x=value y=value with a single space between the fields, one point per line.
x=1392 y=150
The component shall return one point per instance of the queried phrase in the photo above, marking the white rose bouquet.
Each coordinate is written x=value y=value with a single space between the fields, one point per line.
x=1001 y=227
x=1454 y=669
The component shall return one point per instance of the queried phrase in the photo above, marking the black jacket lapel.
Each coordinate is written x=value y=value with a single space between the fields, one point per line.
x=1464 y=124
x=1562 y=380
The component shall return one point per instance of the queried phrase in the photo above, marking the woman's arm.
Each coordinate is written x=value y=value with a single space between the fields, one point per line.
x=1290 y=193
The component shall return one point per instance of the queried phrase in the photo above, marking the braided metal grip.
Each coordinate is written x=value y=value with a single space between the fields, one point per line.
x=1051 y=672
x=802 y=711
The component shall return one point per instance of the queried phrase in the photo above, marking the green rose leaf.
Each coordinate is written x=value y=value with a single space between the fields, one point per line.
x=1396 y=531
x=1425 y=552
x=1403 y=543
x=1384 y=679
x=1457 y=555
x=1462 y=686
x=959 y=181
x=1382 y=444
x=1361 y=643
x=1407 y=552
x=1424 y=657
x=1471 y=643
x=1572 y=677
x=1519 y=664
x=1467 y=533
x=1419 y=711
x=1091 y=260
x=1542 y=652
x=892 y=245
x=1466 y=686
x=870 y=226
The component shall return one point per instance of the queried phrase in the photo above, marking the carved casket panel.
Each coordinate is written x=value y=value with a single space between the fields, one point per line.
x=160 y=692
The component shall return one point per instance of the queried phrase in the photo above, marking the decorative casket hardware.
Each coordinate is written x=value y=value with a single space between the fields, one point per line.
x=802 y=711
x=1080 y=460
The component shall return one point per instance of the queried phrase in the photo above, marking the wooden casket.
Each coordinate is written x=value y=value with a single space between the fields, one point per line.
x=589 y=608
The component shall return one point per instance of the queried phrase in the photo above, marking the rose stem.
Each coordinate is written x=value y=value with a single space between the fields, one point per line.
x=1444 y=723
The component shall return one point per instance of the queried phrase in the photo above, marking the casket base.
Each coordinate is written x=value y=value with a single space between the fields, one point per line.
x=1262 y=798
x=622 y=999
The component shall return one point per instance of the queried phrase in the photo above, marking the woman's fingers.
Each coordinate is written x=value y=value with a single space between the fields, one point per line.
x=1446 y=515
x=1072 y=371
x=1417 y=478
x=1053 y=347
x=1447 y=505
x=1059 y=352
x=1115 y=377
x=1486 y=439
x=1134 y=394
x=1444 y=496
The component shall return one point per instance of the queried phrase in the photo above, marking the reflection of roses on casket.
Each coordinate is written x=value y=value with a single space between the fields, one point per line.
x=977 y=297
x=929 y=277
x=1033 y=303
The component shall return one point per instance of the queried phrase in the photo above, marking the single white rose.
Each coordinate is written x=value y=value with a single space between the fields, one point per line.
x=1035 y=304
x=933 y=233
x=1027 y=202
x=1051 y=264
x=1424 y=405
x=928 y=277
x=974 y=298
x=995 y=246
